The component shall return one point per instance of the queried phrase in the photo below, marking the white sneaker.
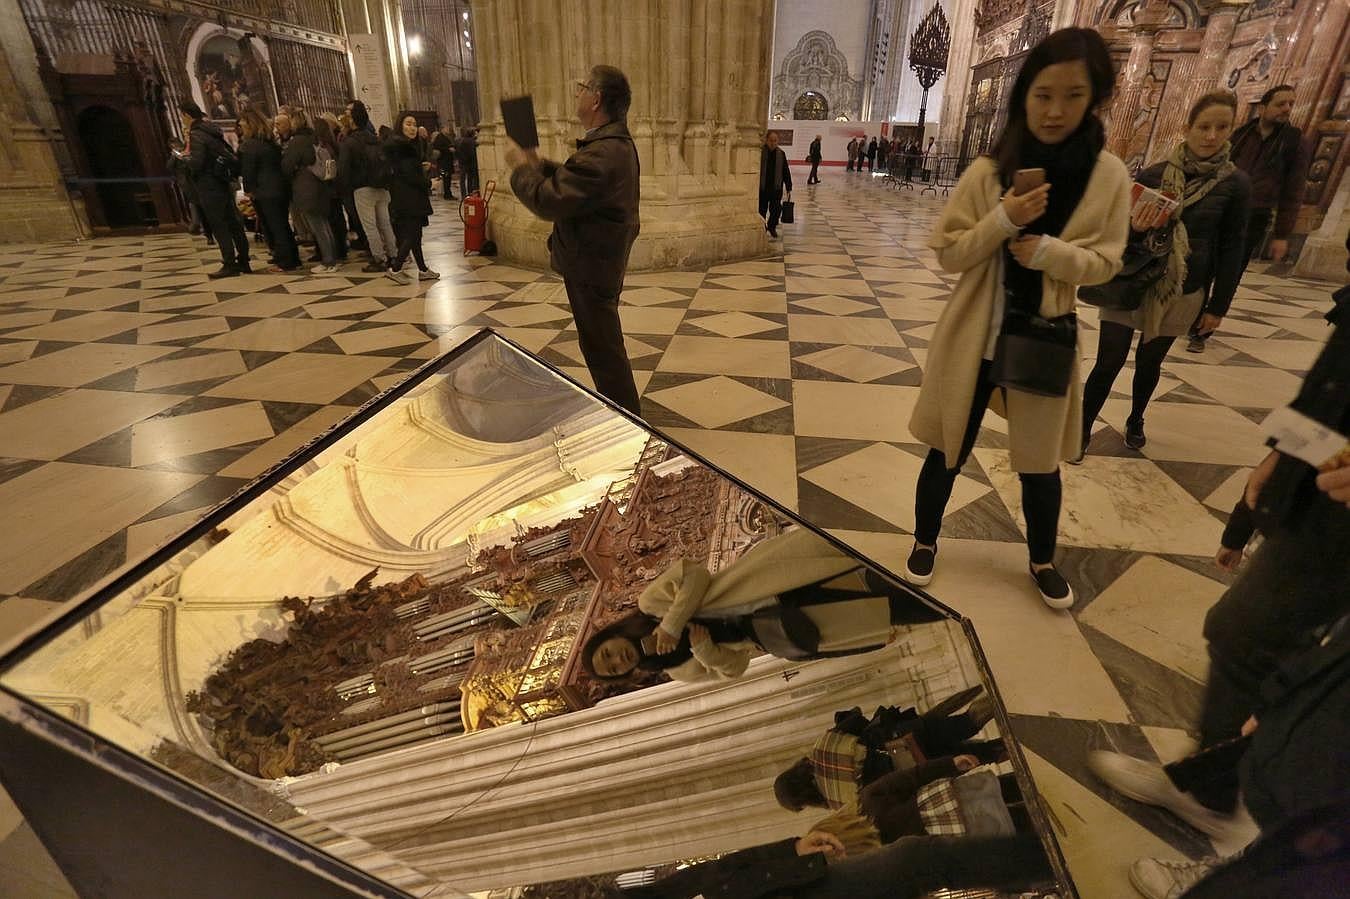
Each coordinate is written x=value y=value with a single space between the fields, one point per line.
x=322 y=269
x=1155 y=878
x=398 y=277
x=428 y=275
x=1148 y=783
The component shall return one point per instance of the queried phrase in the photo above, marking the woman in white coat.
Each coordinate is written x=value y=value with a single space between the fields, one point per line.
x=1022 y=255
x=794 y=595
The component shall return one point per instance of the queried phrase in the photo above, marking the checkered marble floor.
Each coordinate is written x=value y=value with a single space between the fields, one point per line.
x=135 y=394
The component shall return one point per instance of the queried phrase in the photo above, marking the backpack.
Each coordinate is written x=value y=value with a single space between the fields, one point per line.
x=379 y=167
x=324 y=166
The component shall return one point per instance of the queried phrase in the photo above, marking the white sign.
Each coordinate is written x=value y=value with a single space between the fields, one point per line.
x=370 y=86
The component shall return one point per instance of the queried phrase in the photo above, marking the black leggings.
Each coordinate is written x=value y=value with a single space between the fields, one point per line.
x=1112 y=349
x=409 y=234
x=1041 y=493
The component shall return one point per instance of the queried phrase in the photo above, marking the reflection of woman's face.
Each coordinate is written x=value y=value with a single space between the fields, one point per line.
x=1058 y=100
x=615 y=657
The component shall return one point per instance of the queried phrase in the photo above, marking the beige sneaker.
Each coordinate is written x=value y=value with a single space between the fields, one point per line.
x=1155 y=878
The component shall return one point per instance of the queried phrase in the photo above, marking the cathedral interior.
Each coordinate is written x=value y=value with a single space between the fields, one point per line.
x=335 y=552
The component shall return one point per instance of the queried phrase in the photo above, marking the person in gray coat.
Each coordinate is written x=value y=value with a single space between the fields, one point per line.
x=312 y=196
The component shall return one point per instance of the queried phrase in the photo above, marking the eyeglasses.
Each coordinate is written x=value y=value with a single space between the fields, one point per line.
x=584 y=86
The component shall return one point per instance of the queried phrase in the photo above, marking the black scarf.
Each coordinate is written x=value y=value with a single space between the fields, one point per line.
x=1068 y=166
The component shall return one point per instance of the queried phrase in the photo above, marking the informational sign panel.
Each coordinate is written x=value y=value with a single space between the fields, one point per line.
x=371 y=87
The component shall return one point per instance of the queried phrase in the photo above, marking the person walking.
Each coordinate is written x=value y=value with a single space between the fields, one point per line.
x=1204 y=263
x=409 y=198
x=361 y=164
x=325 y=137
x=883 y=150
x=592 y=200
x=312 y=196
x=1274 y=155
x=872 y=156
x=813 y=157
x=443 y=145
x=852 y=153
x=214 y=166
x=268 y=188
x=1021 y=258
x=774 y=175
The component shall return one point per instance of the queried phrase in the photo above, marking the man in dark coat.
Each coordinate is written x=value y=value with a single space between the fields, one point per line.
x=815 y=867
x=182 y=178
x=213 y=166
x=466 y=151
x=852 y=153
x=813 y=157
x=774 y=175
x=592 y=200
x=872 y=155
x=883 y=148
x=444 y=146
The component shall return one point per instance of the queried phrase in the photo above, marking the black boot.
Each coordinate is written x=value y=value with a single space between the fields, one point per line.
x=1134 y=433
x=225 y=271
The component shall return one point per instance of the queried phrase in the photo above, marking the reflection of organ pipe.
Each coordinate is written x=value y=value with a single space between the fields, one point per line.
x=431 y=708
x=416 y=736
x=385 y=732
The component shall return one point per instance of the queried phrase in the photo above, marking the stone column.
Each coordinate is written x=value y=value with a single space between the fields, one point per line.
x=34 y=204
x=956 y=84
x=699 y=70
x=1125 y=106
x=1324 y=253
x=1213 y=53
x=669 y=772
x=384 y=19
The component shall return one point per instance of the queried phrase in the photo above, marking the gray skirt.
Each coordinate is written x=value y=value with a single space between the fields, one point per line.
x=1177 y=319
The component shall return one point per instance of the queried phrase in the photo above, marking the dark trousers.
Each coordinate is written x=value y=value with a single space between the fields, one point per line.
x=813 y=178
x=353 y=217
x=227 y=228
x=915 y=866
x=272 y=217
x=600 y=333
x=409 y=234
x=468 y=181
x=337 y=223
x=1113 y=347
x=199 y=221
x=1041 y=493
x=1294 y=583
x=447 y=182
x=771 y=203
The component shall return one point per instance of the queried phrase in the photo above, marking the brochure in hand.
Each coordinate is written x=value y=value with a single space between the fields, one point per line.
x=1141 y=197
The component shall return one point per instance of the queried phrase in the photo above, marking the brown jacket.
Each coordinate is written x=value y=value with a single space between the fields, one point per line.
x=592 y=200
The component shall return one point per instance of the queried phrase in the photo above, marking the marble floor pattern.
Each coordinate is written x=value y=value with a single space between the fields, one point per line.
x=135 y=394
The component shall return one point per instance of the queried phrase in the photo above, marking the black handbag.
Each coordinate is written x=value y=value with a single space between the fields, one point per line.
x=788 y=214
x=1143 y=265
x=1035 y=354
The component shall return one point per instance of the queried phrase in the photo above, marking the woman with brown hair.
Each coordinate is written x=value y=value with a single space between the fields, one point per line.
x=1008 y=333
x=1207 y=256
x=326 y=134
x=267 y=187
x=313 y=194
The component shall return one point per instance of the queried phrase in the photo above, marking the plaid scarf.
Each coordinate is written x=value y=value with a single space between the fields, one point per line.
x=838 y=760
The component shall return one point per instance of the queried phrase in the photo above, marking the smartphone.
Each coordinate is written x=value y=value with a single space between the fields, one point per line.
x=1027 y=180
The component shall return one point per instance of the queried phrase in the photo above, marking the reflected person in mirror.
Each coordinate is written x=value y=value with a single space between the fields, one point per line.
x=794 y=595
x=592 y=201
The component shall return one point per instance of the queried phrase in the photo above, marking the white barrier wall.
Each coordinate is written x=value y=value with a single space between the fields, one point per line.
x=835 y=137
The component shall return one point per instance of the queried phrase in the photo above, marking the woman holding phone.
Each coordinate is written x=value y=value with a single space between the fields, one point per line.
x=1208 y=233
x=1021 y=254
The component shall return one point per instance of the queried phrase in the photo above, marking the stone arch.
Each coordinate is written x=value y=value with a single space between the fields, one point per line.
x=816 y=64
x=1181 y=13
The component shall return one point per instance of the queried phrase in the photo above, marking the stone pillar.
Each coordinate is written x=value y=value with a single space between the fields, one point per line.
x=1213 y=53
x=956 y=84
x=384 y=19
x=1125 y=106
x=700 y=76
x=34 y=204
x=659 y=774
x=1324 y=253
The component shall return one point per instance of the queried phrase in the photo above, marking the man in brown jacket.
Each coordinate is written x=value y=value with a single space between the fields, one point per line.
x=592 y=200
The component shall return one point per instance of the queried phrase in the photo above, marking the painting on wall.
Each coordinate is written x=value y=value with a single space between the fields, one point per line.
x=230 y=74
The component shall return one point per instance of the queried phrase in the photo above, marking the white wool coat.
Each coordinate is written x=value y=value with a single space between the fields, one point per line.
x=969 y=241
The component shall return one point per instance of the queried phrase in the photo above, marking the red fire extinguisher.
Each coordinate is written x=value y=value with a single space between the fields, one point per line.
x=473 y=212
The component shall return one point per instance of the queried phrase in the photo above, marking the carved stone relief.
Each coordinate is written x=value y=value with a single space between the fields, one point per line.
x=816 y=64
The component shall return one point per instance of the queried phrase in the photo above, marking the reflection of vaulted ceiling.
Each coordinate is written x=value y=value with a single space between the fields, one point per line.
x=489 y=443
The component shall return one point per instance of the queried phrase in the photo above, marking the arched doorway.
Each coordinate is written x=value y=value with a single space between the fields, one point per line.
x=110 y=146
x=811 y=105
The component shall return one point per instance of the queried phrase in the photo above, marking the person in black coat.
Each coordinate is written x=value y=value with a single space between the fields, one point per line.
x=337 y=205
x=1206 y=235
x=312 y=196
x=774 y=176
x=212 y=164
x=872 y=155
x=813 y=157
x=815 y=867
x=268 y=188
x=466 y=152
x=443 y=145
x=409 y=203
x=182 y=179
